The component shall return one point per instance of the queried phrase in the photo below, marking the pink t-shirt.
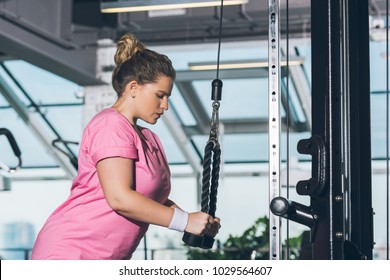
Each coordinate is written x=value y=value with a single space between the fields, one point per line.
x=85 y=226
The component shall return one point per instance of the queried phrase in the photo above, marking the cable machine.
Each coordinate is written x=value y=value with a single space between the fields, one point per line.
x=212 y=158
x=340 y=214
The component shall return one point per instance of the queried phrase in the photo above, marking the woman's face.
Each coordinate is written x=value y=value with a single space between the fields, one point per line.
x=152 y=99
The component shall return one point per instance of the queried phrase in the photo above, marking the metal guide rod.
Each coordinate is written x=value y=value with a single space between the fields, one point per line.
x=274 y=123
x=387 y=133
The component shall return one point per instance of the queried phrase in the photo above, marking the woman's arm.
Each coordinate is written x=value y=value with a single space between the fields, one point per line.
x=116 y=176
x=171 y=204
x=211 y=229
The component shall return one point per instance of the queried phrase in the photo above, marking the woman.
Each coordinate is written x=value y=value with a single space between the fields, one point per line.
x=123 y=180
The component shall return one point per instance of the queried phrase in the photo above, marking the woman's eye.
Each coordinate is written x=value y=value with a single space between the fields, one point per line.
x=161 y=96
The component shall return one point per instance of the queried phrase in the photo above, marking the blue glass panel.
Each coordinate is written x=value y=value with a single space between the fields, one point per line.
x=241 y=98
x=43 y=86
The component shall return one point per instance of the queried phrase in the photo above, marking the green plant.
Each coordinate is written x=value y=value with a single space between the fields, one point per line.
x=252 y=244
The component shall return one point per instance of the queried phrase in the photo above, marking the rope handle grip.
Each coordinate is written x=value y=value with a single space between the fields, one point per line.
x=204 y=242
x=209 y=194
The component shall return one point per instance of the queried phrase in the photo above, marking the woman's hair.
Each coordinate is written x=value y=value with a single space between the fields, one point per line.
x=134 y=62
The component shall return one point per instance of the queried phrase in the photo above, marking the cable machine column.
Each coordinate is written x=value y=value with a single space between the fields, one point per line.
x=274 y=123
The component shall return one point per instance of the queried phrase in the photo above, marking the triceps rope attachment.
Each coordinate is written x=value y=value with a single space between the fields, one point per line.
x=211 y=166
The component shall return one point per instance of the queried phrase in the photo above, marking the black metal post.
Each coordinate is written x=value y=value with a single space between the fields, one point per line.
x=361 y=230
x=341 y=117
x=326 y=124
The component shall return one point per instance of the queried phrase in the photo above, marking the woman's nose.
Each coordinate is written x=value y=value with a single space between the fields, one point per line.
x=164 y=103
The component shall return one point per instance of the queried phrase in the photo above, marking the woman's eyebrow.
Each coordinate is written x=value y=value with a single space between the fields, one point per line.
x=164 y=92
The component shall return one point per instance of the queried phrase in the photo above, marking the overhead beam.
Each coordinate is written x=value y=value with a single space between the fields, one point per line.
x=185 y=146
x=258 y=125
x=32 y=120
x=196 y=107
x=77 y=65
x=191 y=75
x=182 y=140
x=184 y=81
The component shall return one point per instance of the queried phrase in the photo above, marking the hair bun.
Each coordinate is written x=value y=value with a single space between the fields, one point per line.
x=127 y=46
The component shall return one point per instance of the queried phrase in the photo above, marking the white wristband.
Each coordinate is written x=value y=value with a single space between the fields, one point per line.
x=179 y=220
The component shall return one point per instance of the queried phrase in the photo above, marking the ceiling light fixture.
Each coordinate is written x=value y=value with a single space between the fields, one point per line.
x=241 y=64
x=153 y=5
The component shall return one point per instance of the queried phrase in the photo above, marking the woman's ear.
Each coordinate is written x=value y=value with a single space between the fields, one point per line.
x=131 y=88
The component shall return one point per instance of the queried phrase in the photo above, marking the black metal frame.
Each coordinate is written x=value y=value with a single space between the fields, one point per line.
x=340 y=214
x=341 y=116
x=360 y=136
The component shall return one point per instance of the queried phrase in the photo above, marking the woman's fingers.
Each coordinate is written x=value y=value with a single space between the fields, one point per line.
x=213 y=227
x=203 y=224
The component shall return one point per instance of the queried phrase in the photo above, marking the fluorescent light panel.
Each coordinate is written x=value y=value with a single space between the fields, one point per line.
x=139 y=6
x=240 y=64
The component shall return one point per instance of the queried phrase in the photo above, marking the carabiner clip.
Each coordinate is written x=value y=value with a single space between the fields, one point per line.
x=213 y=136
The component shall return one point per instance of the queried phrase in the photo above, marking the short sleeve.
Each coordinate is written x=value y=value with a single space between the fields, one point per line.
x=111 y=137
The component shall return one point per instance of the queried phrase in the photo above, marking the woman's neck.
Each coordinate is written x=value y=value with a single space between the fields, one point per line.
x=124 y=109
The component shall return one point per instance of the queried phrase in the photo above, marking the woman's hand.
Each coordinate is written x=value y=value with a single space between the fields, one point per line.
x=213 y=228
x=200 y=223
